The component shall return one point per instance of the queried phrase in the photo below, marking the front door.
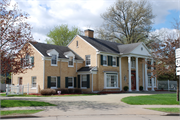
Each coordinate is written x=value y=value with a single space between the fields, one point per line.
x=133 y=81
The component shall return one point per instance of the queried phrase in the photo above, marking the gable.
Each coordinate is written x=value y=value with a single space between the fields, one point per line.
x=141 y=49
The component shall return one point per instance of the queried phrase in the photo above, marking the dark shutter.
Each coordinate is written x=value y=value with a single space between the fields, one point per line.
x=88 y=81
x=78 y=81
x=58 y=82
x=49 y=82
x=74 y=81
x=101 y=59
x=32 y=61
x=117 y=61
x=66 y=83
x=109 y=60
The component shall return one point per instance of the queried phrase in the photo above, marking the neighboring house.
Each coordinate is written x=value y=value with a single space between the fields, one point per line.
x=89 y=64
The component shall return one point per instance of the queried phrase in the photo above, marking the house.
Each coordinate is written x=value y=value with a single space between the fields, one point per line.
x=89 y=64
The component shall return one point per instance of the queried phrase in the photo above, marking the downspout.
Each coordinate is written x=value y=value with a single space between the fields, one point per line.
x=92 y=81
x=43 y=71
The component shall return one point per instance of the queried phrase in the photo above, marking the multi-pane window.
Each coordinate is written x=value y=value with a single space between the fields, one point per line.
x=111 y=80
x=54 y=60
x=70 y=61
x=149 y=64
x=33 y=81
x=149 y=79
x=104 y=60
x=133 y=62
x=84 y=81
x=53 y=82
x=88 y=60
x=114 y=61
x=26 y=60
x=70 y=82
x=20 y=80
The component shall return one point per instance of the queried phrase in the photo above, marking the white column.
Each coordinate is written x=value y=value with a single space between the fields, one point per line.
x=137 y=75
x=152 y=79
x=143 y=76
x=120 y=74
x=129 y=68
x=92 y=81
x=146 y=77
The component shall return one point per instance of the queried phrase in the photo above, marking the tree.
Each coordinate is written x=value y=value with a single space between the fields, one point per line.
x=164 y=55
x=127 y=21
x=15 y=33
x=61 y=35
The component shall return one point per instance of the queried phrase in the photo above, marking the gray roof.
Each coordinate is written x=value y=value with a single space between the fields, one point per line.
x=85 y=69
x=43 y=48
x=103 y=45
x=127 y=48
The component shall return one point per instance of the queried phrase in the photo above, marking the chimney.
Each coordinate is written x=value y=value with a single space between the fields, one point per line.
x=89 y=33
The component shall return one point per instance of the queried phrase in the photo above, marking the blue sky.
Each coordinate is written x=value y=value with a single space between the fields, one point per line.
x=45 y=14
x=168 y=19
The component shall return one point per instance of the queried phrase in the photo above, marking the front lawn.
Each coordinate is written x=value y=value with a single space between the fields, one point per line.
x=62 y=95
x=17 y=112
x=157 y=99
x=23 y=103
x=170 y=110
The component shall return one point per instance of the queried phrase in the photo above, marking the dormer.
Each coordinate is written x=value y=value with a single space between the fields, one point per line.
x=54 y=56
x=71 y=56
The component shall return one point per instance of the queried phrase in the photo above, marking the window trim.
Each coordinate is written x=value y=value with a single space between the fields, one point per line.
x=56 y=82
x=56 y=60
x=72 y=82
x=81 y=81
x=69 y=60
x=106 y=60
x=86 y=60
x=115 y=61
x=105 y=80
x=32 y=81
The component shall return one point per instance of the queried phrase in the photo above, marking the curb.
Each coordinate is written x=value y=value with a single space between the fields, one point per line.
x=18 y=116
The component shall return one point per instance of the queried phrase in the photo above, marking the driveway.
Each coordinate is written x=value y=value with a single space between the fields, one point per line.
x=96 y=105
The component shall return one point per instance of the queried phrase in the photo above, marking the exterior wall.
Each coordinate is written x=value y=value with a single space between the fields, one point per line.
x=37 y=71
x=61 y=70
x=83 y=49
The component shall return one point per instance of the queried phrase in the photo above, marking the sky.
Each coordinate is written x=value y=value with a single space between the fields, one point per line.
x=44 y=15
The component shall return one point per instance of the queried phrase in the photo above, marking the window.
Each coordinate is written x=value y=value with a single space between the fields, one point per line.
x=149 y=79
x=26 y=60
x=54 y=60
x=53 y=82
x=104 y=60
x=71 y=61
x=88 y=60
x=133 y=62
x=149 y=64
x=114 y=61
x=111 y=80
x=76 y=43
x=70 y=82
x=33 y=81
x=84 y=81
x=20 y=80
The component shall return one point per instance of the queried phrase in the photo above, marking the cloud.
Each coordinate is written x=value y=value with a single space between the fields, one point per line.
x=45 y=14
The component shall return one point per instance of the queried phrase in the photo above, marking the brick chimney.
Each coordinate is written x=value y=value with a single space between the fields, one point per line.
x=89 y=33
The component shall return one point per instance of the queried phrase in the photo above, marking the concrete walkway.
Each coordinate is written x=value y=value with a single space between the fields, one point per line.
x=90 y=105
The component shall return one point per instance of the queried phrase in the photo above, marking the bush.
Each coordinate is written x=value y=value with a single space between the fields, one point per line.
x=63 y=91
x=69 y=91
x=141 y=88
x=77 y=91
x=126 y=88
x=48 y=92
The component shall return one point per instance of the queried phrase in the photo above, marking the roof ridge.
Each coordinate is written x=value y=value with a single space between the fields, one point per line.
x=102 y=43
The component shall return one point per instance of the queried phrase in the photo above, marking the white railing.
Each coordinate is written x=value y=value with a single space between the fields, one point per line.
x=3 y=87
x=167 y=85
x=21 y=89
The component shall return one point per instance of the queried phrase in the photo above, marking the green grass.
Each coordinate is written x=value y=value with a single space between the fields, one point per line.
x=157 y=99
x=24 y=95
x=170 y=110
x=23 y=103
x=17 y=112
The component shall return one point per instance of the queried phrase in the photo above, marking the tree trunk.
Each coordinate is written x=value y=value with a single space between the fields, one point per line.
x=177 y=89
